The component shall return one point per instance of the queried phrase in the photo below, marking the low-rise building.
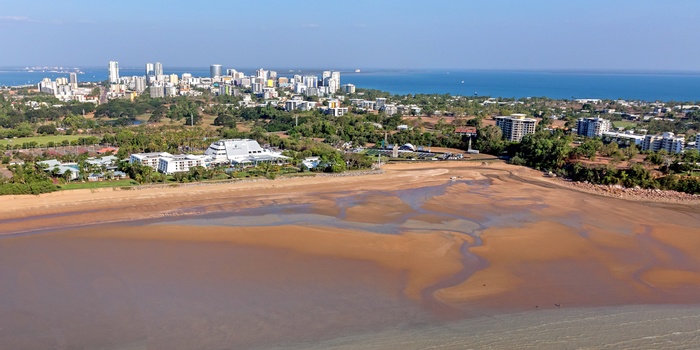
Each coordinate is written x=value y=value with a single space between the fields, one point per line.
x=630 y=139
x=180 y=163
x=148 y=159
x=59 y=168
x=241 y=151
x=469 y=131
x=666 y=141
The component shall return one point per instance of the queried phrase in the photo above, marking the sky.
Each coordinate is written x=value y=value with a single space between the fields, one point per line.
x=327 y=34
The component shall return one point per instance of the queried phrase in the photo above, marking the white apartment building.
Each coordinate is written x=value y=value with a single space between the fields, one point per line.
x=390 y=109
x=139 y=84
x=113 y=72
x=157 y=90
x=149 y=159
x=180 y=163
x=667 y=141
x=158 y=69
x=697 y=141
x=516 y=126
x=592 y=127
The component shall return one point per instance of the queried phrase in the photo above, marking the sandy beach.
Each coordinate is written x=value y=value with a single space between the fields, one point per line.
x=442 y=241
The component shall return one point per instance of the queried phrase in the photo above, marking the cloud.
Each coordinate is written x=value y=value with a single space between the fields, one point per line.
x=25 y=19
x=310 y=25
x=16 y=19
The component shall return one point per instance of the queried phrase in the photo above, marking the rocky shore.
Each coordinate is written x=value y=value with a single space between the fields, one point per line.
x=638 y=194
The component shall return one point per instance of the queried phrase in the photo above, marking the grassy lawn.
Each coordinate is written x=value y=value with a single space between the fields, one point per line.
x=624 y=124
x=41 y=140
x=98 y=184
x=144 y=117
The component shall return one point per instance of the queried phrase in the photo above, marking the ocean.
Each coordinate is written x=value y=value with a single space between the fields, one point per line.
x=647 y=86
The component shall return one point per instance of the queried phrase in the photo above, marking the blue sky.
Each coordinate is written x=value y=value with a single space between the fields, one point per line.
x=494 y=34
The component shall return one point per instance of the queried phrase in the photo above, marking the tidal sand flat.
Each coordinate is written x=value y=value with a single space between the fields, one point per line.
x=417 y=257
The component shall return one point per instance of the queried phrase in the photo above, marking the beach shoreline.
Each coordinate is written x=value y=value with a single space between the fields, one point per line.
x=155 y=201
x=454 y=239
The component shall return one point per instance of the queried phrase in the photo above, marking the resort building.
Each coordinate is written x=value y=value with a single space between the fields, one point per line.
x=516 y=126
x=59 y=168
x=667 y=141
x=241 y=151
x=148 y=159
x=99 y=168
x=180 y=163
x=592 y=127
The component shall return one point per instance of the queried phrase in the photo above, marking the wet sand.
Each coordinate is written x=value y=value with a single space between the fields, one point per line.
x=420 y=244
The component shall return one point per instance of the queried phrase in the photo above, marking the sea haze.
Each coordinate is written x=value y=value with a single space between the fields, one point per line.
x=648 y=86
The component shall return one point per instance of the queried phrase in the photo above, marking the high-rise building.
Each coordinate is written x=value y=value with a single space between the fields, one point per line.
x=592 y=127
x=158 y=69
x=331 y=80
x=516 y=126
x=262 y=74
x=113 y=72
x=73 y=78
x=150 y=69
x=215 y=71
x=139 y=84
x=310 y=81
x=158 y=90
x=697 y=141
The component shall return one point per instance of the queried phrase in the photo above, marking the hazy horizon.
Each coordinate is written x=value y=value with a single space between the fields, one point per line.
x=595 y=35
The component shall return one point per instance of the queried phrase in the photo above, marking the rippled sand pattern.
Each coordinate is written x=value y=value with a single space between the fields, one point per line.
x=458 y=256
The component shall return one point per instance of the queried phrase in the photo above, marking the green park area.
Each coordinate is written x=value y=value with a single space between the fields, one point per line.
x=40 y=140
x=98 y=184
x=624 y=124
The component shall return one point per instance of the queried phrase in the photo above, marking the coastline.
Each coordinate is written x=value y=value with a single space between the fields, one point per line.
x=454 y=241
x=164 y=200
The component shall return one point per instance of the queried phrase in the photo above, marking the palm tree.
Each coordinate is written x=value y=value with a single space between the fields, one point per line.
x=67 y=175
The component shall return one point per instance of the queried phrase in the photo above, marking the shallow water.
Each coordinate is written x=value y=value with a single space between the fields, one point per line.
x=65 y=291
x=628 y=327
x=62 y=290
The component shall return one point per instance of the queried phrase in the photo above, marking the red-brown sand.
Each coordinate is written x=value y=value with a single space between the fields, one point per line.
x=541 y=243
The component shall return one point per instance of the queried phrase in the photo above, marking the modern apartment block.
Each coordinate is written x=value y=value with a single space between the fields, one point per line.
x=592 y=127
x=180 y=163
x=516 y=126
x=215 y=71
x=158 y=69
x=113 y=72
x=667 y=141
x=149 y=159
x=697 y=141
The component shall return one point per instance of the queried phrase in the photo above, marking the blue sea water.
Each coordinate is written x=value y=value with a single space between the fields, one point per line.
x=647 y=86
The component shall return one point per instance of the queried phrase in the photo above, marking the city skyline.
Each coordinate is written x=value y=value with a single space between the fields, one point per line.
x=502 y=34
